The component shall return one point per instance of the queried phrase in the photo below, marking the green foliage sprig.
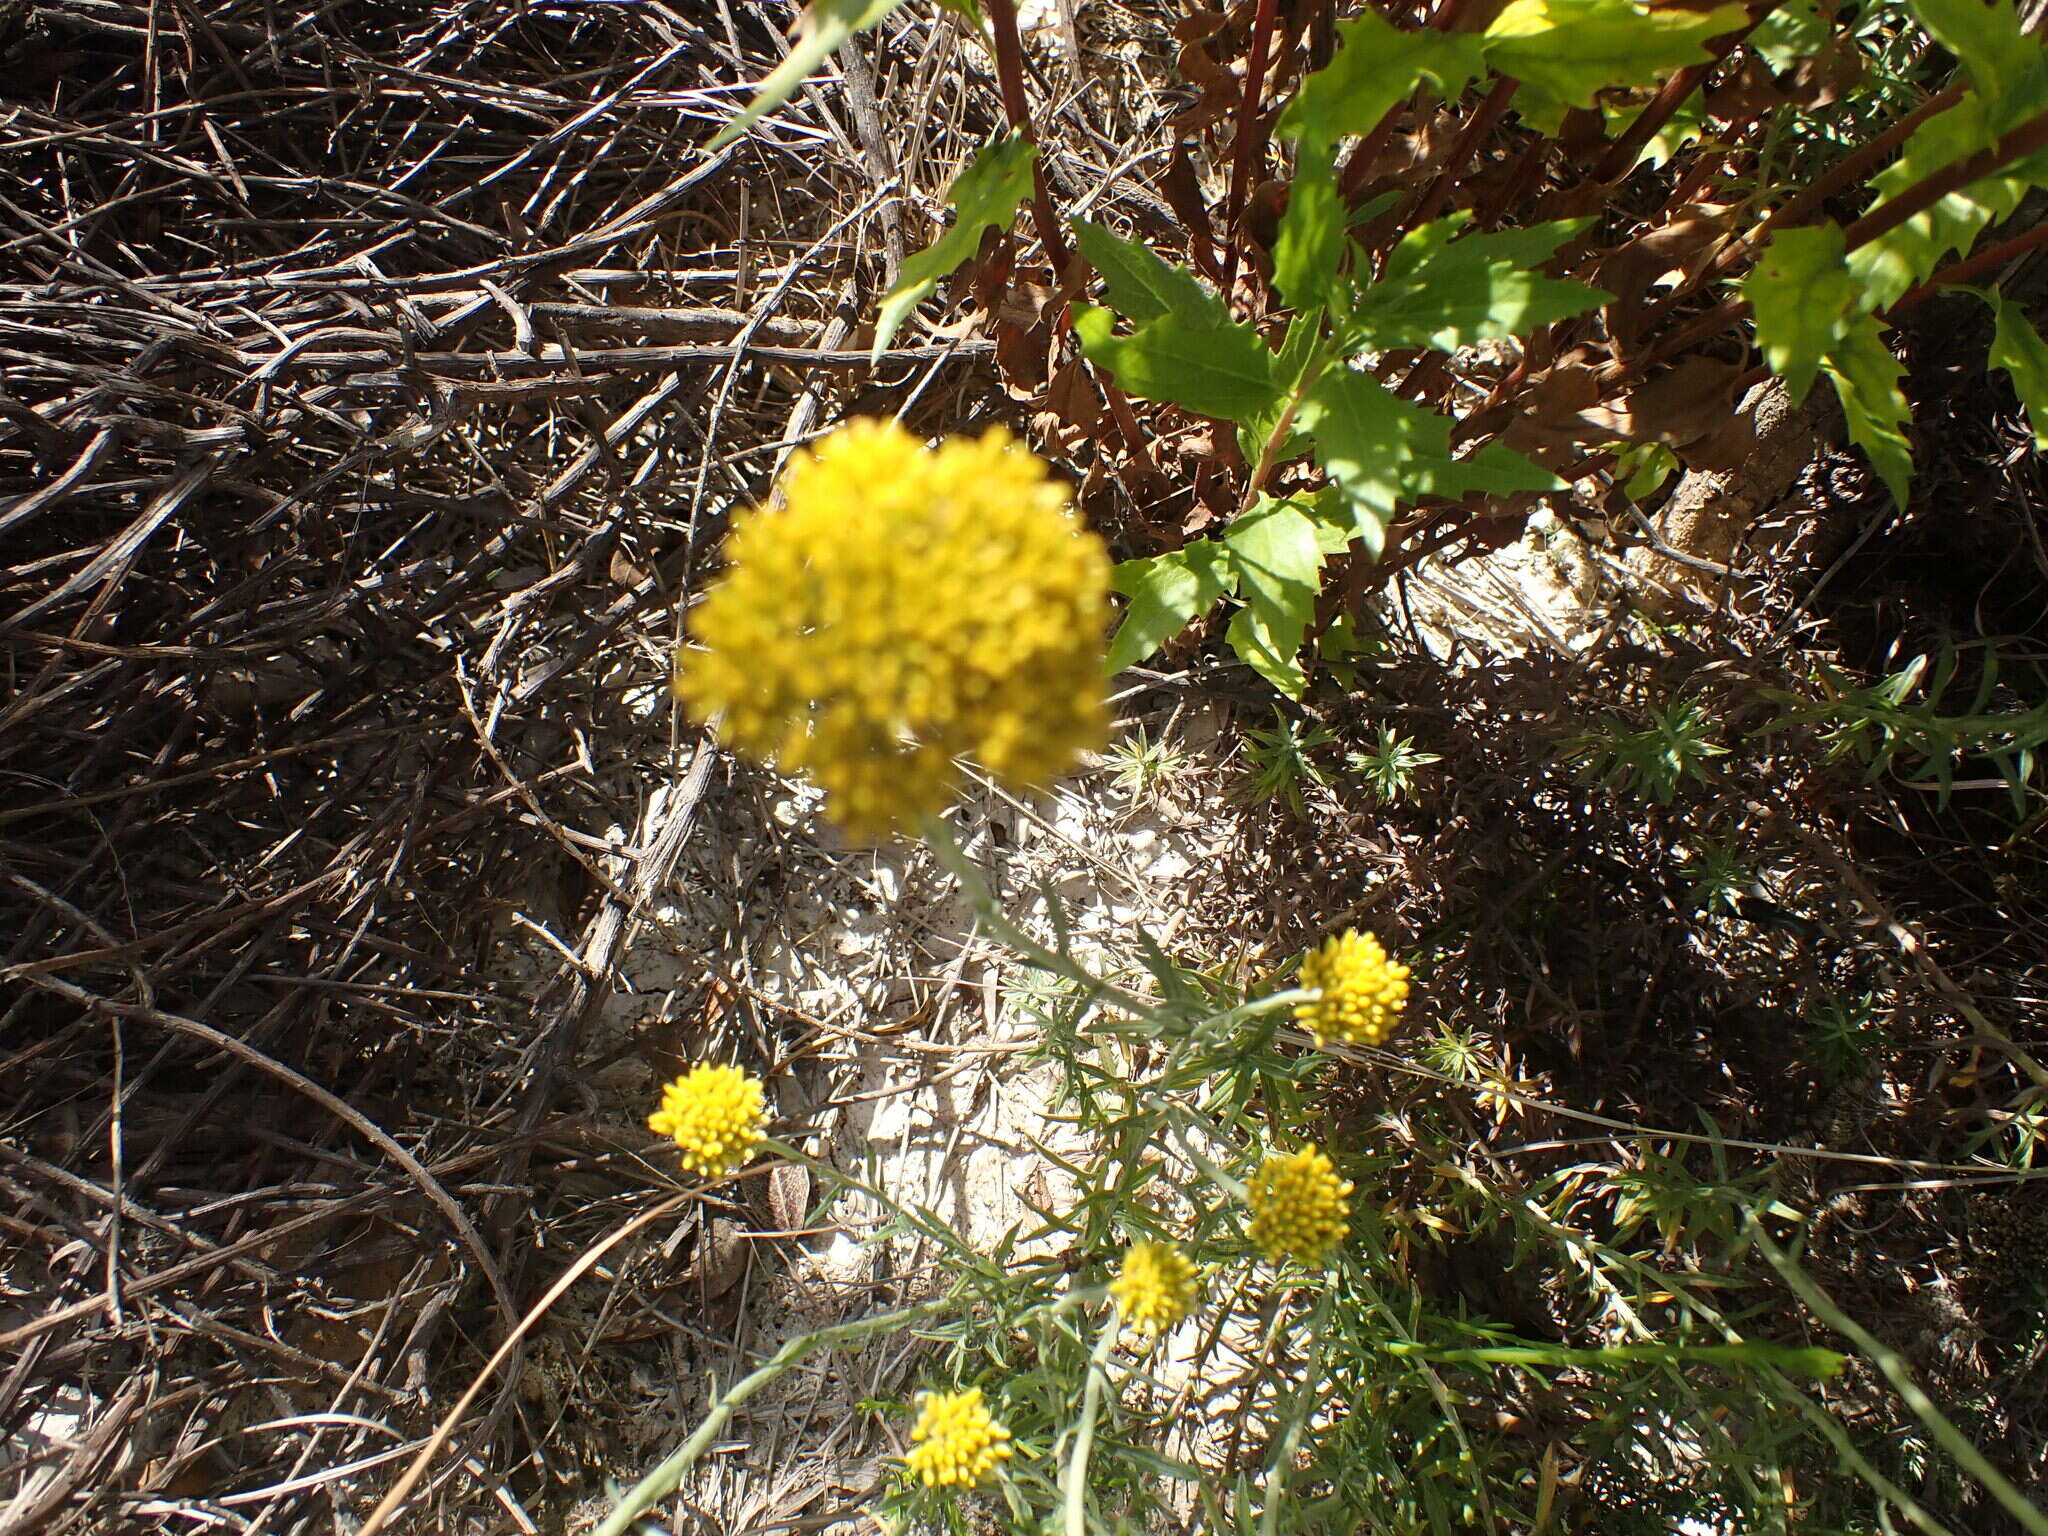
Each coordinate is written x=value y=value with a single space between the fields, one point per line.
x=1327 y=352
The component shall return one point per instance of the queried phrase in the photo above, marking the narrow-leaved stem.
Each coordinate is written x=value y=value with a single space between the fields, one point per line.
x=1074 y=1475
x=666 y=1478
x=1889 y=1361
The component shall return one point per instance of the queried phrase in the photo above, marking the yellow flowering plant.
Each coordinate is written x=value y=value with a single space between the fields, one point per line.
x=956 y=1442
x=1357 y=991
x=715 y=1116
x=1155 y=1287
x=907 y=607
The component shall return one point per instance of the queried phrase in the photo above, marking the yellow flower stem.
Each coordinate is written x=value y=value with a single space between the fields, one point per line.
x=1074 y=1475
x=1271 y=1003
x=1178 y=1118
x=947 y=850
x=666 y=1478
x=1900 y=1375
x=1306 y=1396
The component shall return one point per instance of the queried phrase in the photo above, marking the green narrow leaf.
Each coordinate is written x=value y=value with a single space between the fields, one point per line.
x=1167 y=592
x=1572 y=49
x=1220 y=370
x=1443 y=292
x=1141 y=287
x=825 y=25
x=1381 y=451
x=2017 y=348
x=984 y=196
x=1377 y=67
x=1312 y=239
x=1866 y=377
x=1803 y=297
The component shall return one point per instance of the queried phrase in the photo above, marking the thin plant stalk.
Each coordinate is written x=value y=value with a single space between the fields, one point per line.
x=1074 y=1476
x=666 y=1478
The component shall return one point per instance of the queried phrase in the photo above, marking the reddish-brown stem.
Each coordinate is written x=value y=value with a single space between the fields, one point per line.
x=1621 y=159
x=1796 y=209
x=1250 y=143
x=1475 y=131
x=2024 y=140
x=1973 y=267
x=1514 y=186
x=1887 y=216
x=1858 y=165
x=1002 y=17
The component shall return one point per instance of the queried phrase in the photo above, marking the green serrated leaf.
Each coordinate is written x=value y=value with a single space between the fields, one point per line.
x=2017 y=348
x=1443 y=292
x=1381 y=452
x=825 y=25
x=984 y=196
x=2003 y=63
x=1573 y=49
x=1167 y=592
x=1300 y=350
x=1277 y=556
x=1267 y=653
x=1221 y=370
x=1336 y=531
x=1889 y=265
x=1312 y=239
x=1141 y=287
x=1377 y=67
x=1685 y=125
x=1792 y=32
x=1803 y=296
x=1867 y=377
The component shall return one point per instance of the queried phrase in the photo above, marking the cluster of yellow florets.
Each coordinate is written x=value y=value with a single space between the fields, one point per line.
x=1155 y=1287
x=906 y=607
x=715 y=1117
x=1359 y=991
x=1300 y=1208
x=956 y=1442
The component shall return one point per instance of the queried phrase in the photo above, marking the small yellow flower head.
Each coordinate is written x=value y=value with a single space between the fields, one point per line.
x=905 y=608
x=1155 y=1287
x=1359 y=991
x=715 y=1116
x=1300 y=1208
x=956 y=1443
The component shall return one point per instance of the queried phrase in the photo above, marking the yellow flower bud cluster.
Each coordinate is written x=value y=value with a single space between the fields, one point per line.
x=1155 y=1287
x=956 y=1442
x=906 y=607
x=1300 y=1208
x=1358 y=991
x=715 y=1116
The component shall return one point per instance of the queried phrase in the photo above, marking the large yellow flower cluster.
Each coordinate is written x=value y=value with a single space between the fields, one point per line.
x=905 y=608
x=1300 y=1208
x=1155 y=1287
x=1359 y=991
x=714 y=1115
x=956 y=1442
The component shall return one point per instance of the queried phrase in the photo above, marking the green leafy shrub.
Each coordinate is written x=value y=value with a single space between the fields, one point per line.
x=1519 y=259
